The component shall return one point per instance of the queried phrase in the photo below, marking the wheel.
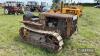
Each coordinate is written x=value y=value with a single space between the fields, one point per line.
x=53 y=43
x=23 y=33
x=22 y=11
x=6 y=11
x=29 y=16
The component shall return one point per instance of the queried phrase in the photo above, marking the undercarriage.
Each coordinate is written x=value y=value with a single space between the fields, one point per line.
x=48 y=30
x=46 y=39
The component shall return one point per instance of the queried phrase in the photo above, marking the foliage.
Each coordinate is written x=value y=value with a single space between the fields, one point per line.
x=56 y=1
x=97 y=0
x=54 y=5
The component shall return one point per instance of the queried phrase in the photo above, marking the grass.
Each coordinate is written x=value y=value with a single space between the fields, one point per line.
x=88 y=36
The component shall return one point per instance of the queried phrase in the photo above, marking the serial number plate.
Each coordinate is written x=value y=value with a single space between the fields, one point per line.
x=85 y=50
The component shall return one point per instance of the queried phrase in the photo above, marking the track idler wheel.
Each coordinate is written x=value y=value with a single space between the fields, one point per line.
x=23 y=34
x=53 y=43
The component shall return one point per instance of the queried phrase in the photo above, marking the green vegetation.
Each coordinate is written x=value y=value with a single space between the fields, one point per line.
x=88 y=36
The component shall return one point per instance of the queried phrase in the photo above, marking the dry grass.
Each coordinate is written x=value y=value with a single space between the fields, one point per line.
x=88 y=36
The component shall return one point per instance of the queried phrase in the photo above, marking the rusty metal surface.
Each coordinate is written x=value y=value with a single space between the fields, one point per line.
x=49 y=31
x=39 y=37
x=58 y=15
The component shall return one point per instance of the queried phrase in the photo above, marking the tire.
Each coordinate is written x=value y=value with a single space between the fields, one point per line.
x=27 y=16
x=23 y=10
x=6 y=11
x=30 y=16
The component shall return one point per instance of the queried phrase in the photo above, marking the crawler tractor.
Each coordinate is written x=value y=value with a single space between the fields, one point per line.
x=33 y=6
x=67 y=9
x=48 y=30
x=12 y=7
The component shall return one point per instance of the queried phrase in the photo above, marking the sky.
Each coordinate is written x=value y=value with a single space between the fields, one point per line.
x=25 y=1
x=50 y=1
x=82 y=1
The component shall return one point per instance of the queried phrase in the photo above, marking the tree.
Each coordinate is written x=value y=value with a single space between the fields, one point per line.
x=55 y=4
x=56 y=1
x=98 y=2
